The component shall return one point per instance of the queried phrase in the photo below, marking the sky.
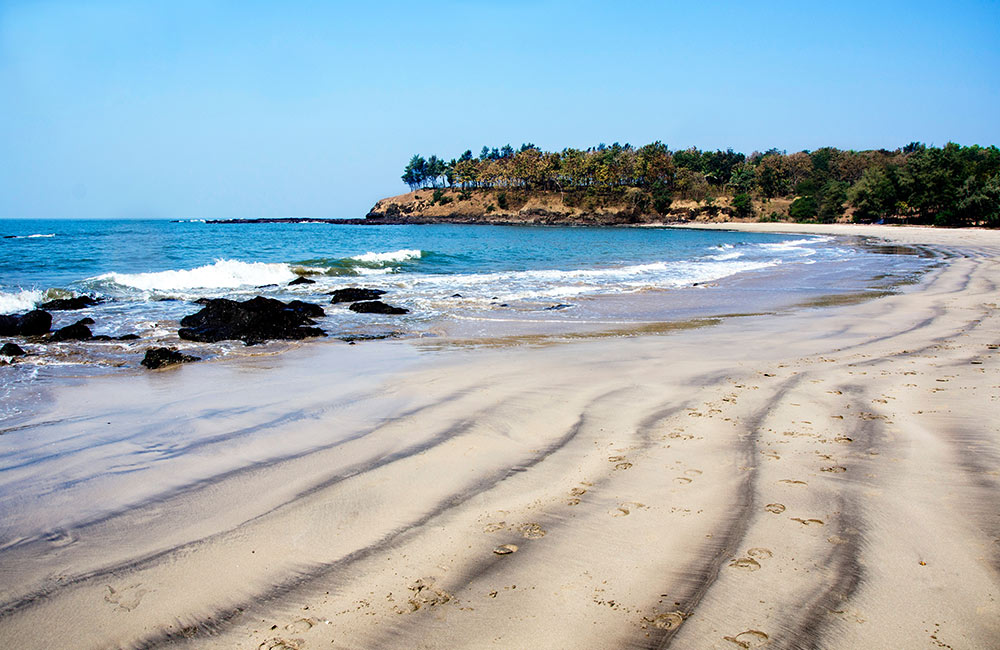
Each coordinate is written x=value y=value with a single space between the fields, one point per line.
x=267 y=109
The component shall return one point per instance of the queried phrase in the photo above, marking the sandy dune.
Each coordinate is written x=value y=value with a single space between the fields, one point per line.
x=825 y=478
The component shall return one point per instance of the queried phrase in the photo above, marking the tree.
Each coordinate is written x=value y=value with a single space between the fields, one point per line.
x=803 y=208
x=743 y=206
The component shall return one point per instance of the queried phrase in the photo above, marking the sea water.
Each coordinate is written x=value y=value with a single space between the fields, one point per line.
x=456 y=280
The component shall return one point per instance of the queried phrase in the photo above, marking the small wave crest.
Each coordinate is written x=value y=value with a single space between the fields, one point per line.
x=35 y=236
x=402 y=255
x=19 y=301
x=223 y=274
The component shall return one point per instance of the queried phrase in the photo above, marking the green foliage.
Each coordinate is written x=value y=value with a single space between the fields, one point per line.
x=490 y=208
x=661 y=198
x=437 y=196
x=951 y=185
x=803 y=209
x=831 y=199
x=743 y=206
x=876 y=195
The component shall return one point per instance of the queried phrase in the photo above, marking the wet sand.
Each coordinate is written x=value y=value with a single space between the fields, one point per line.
x=824 y=477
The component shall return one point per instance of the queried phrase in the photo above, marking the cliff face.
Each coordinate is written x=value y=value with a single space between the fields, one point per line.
x=627 y=207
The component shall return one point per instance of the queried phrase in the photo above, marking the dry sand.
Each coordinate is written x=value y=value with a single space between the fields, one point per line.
x=826 y=478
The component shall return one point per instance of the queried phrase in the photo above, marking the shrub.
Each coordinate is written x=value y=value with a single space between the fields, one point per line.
x=743 y=206
x=502 y=200
x=803 y=209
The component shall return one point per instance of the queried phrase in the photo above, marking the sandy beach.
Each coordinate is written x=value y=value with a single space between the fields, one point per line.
x=823 y=477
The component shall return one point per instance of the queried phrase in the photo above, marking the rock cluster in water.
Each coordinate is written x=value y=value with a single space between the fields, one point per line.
x=253 y=321
x=161 y=357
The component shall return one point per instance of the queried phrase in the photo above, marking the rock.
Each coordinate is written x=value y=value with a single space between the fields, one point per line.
x=354 y=295
x=456 y=295
x=78 y=331
x=558 y=307
x=307 y=309
x=253 y=321
x=105 y=337
x=301 y=280
x=67 y=304
x=160 y=357
x=376 y=307
x=12 y=350
x=34 y=323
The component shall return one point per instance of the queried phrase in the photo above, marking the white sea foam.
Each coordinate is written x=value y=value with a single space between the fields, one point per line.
x=552 y=283
x=392 y=256
x=35 y=236
x=23 y=300
x=223 y=274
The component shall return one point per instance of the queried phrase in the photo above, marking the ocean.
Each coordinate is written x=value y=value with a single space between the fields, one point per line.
x=458 y=282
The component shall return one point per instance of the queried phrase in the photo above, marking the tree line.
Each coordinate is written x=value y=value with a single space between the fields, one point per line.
x=952 y=185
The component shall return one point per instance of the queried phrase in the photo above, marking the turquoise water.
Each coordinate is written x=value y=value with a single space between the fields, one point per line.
x=149 y=272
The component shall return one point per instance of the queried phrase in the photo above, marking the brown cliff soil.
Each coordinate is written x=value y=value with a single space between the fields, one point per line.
x=626 y=206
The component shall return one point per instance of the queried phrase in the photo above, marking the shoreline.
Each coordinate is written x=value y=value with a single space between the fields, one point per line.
x=649 y=483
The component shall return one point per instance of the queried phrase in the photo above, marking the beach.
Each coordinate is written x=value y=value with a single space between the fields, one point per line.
x=818 y=476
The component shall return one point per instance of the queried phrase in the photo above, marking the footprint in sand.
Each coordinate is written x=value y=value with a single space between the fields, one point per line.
x=573 y=502
x=843 y=440
x=531 y=531
x=808 y=522
x=626 y=508
x=576 y=492
x=682 y=480
x=748 y=639
x=745 y=563
x=834 y=469
x=773 y=455
x=775 y=508
x=668 y=621
x=281 y=644
x=126 y=599
x=623 y=465
x=505 y=549
x=301 y=625
x=693 y=472
x=427 y=594
x=494 y=527
x=788 y=481
x=615 y=459
x=760 y=553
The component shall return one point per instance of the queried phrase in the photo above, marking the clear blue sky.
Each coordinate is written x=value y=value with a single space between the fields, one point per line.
x=241 y=109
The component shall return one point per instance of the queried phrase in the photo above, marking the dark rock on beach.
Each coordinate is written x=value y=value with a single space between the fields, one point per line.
x=105 y=337
x=12 y=350
x=376 y=307
x=253 y=321
x=78 y=331
x=353 y=294
x=160 y=357
x=67 y=304
x=301 y=280
x=34 y=323
x=307 y=309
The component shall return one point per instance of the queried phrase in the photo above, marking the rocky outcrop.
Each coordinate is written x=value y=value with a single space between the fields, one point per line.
x=301 y=280
x=376 y=307
x=78 y=331
x=34 y=323
x=12 y=350
x=160 y=357
x=353 y=294
x=253 y=321
x=67 y=304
